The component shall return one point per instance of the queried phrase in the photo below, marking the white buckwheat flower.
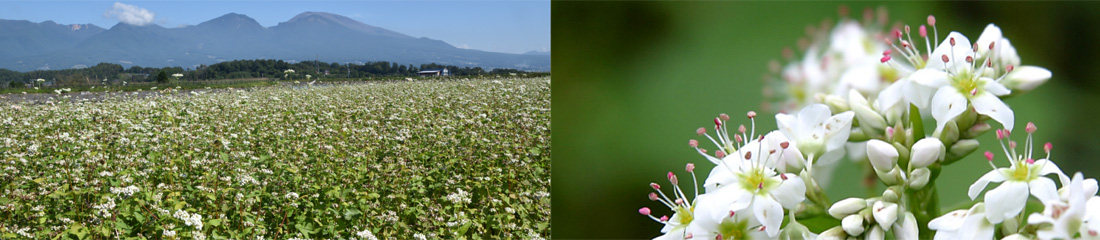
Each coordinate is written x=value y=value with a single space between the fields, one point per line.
x=963 y=224
x=1066 y=217
x=683 y=208
x=1024 y=175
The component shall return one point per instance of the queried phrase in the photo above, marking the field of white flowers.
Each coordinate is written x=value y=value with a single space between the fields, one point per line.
x=399 y=160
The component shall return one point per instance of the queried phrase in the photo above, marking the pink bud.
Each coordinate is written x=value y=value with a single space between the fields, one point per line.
x=923 y=31
x=717 y=122
x=931 y=20
x=700 y=131
x=1047 y=147
x=655 y=186
x=732 y=213
x=664 y=218
x=644 y=211
x=724 y=117
x=1030 y=127
x=784 y=145
x=693 y=143
x=719 y=154
x=889 y=132
x=1000 y=134
x=988 y=156
x=653 y=196
x=751 y=114
x=690 y=167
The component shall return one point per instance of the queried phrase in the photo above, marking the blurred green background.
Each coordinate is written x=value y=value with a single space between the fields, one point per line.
x=633 y=80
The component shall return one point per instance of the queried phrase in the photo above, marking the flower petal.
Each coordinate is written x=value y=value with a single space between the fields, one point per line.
x=1005 y=201
x=930 y=77
x=837 y=129
x=991 y=34
x=790 y=192
x=769 y=212
x=1049 y=167
x=978 y=186
x=1026 y=78
x=1043 y=189
x=810 y=120
x=949 y=221
x=947 y=104
x=788 y=124
x=989 y=105
x=994 y=87
x=954 y=52
x=918 y=94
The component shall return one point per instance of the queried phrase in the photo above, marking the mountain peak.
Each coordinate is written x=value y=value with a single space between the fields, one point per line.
x=232 y=21
x=324 y=18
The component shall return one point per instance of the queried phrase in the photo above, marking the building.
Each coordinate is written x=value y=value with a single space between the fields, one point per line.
x=434 y=72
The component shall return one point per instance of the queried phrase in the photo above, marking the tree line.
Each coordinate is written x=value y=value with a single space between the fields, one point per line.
x=111 y=74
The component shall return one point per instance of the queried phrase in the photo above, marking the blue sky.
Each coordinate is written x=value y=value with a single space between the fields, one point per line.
x=497 y=26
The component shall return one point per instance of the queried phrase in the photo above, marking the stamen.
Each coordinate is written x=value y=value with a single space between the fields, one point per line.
x=732 y=213
x=644 y=211
x=936 y=34
x=1009 y=68
x=690 y=167
x=952 y=42
x=653 y=196
x=664 y=218
x=988 y=156
x=724 y=117
x=741 y=129
x=672 y=178
x=748 y=155
x=969 y=59
x=1047 y=147
x=923 y=31
x=751 y=114
x=719 y=154
x=1030 y=161
x=700 y=131
x=784 y=145
x=655 y=186
x=693 y=143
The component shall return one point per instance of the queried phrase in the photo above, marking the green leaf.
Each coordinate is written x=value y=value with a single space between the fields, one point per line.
x=351 y=213
x=462 y=230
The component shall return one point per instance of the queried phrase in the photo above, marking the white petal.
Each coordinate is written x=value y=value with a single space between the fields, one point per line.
x=949 y=221
x=882 y=155
x=811 y=121
x=1005 y=201
x=947 y=104
x=788 y=124
x=769 y=212
x=955 y=54
x=994 y=87
x=976 y=227
x=1027 y=77
x=837 y=129
x=930 y=77
x=1048 y=168
x=790 y=192
x=978 y=186
x=919 y=95
x=989 y=105
x=1043 y=189
x=890 y=96
x=992 y=33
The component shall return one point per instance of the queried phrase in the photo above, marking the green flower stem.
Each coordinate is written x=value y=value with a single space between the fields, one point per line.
x=925 y=203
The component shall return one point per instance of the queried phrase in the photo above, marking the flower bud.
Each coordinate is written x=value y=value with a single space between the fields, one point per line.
x=836 y=104
x=864 y=113
x=847 y=207
x=891 y=177
x=977 y=129
x=1026 y=78
x=883 y=156
x=891 y=195
x=876 y=233
x=835 y=233
x=852 y=224
x=907 y=228
x=885 y=213
x=962 y=148
x=919 y=178
x=950 y=132
x=926 y=151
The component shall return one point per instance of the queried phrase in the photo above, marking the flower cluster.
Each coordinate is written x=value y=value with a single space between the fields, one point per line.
x=865 y=94
x=189 y=219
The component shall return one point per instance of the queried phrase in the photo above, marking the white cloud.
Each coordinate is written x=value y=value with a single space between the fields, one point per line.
x=130 y=14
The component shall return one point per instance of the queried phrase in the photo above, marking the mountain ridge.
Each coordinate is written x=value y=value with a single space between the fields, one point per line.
x=234 y=36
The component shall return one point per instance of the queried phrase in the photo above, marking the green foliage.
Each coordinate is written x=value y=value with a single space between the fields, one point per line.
x=162 y=77
x=450 y=160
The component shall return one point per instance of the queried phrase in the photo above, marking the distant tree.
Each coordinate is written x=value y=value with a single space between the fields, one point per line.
x=162 y=77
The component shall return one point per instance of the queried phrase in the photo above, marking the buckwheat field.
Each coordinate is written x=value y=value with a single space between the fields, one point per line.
x=467 y=159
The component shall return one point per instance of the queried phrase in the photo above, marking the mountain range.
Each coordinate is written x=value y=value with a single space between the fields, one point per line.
x=26 y=46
